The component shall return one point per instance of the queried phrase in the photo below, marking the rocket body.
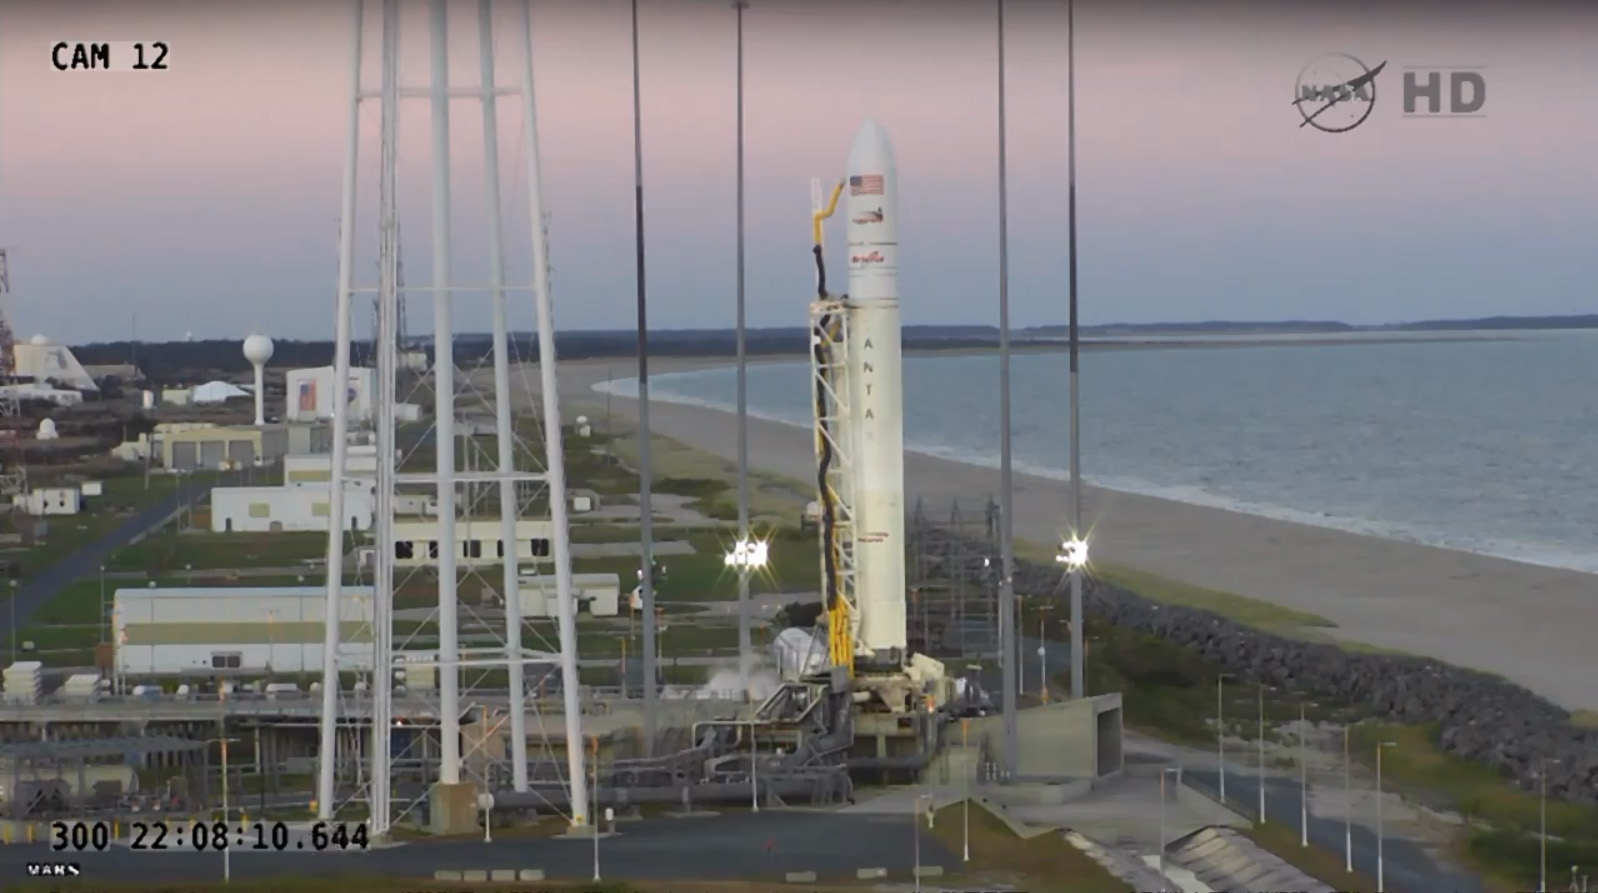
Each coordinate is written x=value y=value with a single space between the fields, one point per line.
x=876 y=428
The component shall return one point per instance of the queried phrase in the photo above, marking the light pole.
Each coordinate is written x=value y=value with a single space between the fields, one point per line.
x=1168 y=770
x=1043 y=653
x=754 y=770
x=1542 y=822
x=1348 y=798
x=1303 y=774
x=745 y=646
x=594 y=824
x=646 y=513
x=105 y=634
x=1010 y=683
x=1078 y=683
x=965 y=791
x=1220 y=731
x=915 y=819
x=1262 y=752
x=1381 y=866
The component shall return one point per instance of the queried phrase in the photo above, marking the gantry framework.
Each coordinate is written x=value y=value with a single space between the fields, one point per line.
x=410 y=651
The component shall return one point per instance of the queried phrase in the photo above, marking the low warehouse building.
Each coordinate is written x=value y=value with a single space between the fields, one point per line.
x=234 y=630
x=279 y=509
x=239 y=446
x=477 y=542
x=598 y=594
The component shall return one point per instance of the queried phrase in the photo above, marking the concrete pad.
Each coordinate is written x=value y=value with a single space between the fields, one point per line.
x=800 y=877
x=928 y=871
x=530 y=874
x=446 y=875
x=502 y=875
x=871 y=874
x=475 y=875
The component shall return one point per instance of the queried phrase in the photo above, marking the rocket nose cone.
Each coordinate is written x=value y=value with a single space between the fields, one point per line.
x=871 y=151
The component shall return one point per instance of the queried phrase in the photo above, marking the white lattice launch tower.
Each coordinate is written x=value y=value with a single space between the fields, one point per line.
x=379 y=650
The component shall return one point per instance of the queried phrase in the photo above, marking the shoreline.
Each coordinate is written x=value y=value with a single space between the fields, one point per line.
x=1520 y=621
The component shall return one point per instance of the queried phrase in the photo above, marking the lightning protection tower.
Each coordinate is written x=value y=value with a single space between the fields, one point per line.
x=377 y=653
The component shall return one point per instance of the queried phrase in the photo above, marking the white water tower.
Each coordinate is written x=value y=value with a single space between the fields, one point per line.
x=258 y=350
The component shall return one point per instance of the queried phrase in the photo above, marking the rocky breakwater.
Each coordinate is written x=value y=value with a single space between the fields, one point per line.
x=1481 y=718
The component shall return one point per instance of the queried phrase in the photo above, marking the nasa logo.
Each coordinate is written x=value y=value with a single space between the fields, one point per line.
x=870 y=257
x=1336 y=93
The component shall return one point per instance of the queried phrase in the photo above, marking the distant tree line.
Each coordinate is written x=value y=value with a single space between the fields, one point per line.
x=187 y=360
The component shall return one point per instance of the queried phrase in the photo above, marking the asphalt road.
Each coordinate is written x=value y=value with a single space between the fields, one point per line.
x=734 y=846
x=37 y=591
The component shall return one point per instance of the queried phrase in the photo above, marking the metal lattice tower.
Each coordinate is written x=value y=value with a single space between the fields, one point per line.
x=397 y=773
x=9 y=405
x=954 y=578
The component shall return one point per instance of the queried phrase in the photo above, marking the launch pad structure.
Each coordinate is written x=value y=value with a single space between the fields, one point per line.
x=504 y=726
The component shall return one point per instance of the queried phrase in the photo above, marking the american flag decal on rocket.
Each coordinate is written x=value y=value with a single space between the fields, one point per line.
x=865 y=184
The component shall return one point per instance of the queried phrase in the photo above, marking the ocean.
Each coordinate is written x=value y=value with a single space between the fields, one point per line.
x=1486 y=446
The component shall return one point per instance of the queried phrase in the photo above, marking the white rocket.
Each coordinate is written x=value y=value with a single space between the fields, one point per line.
x=877 y=400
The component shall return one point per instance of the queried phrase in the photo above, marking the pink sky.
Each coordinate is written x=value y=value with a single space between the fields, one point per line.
x=205 y=198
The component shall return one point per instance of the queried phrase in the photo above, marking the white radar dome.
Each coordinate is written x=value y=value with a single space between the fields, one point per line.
x=39 y=339
x=258 y=349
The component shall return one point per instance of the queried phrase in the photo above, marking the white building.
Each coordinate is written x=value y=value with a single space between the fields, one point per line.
x=598 y=594
x=360 y=461
x=50 y=501
x=289 y=508
x=313 y=394
x=217 y=392
x=477 y=542
x=44 y=361
x=235 y=630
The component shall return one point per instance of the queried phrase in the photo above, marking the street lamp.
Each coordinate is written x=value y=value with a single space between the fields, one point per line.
x=1178 y=771
x=1220 y=730
x=1542 y=823
x=748 y=555
x=915 y=817
x=965 y=790
x=1303 y=774
x=1381 y=886
x=1043 y=654
x=1262 y=752
x=1348 y=798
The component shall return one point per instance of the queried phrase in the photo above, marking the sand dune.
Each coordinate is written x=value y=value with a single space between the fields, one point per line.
x=1534 y=625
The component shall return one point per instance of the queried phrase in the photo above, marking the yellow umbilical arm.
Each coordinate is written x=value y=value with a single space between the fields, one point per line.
x=824 y=213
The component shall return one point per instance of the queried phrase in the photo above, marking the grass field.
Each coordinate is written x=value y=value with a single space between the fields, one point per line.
x=172 y=553
x=1000 y=859
x=795 y=566
x=1325 y=867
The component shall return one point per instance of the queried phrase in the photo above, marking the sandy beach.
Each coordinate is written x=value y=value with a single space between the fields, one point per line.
x=1534 y=625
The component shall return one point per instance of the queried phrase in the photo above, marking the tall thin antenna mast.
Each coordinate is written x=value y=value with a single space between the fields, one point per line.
x=646 y=532
x=745 y=643
x=1009 y=641
x=1078 y=683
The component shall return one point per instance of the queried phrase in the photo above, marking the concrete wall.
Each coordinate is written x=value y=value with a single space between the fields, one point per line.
x=1065 y=739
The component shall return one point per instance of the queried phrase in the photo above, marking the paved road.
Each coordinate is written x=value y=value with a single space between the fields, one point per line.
x=1409 y=868
x=725 y=847
x=40 y=588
